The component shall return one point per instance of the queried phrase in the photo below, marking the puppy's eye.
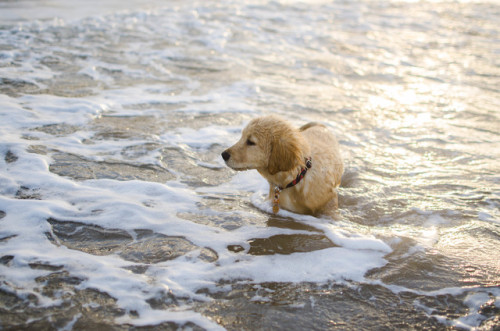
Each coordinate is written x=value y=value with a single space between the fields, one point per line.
x=250 y=143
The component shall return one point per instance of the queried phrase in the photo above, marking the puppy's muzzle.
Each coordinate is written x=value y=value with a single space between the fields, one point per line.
x=225 y=155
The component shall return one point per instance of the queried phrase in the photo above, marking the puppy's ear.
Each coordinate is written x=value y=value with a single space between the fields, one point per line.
x=285 y=153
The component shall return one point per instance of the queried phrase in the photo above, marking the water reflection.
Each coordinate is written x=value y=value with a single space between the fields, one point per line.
x=111 y=153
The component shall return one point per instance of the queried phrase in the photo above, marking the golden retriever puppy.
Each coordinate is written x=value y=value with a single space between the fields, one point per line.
x=303 y=166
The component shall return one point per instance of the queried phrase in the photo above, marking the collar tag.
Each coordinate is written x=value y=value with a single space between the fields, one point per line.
x=276 y=199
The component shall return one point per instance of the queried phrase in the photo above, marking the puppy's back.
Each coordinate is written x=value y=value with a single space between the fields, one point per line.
x=325 y=151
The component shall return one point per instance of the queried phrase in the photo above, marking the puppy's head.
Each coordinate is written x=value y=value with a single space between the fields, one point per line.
x=267 y=143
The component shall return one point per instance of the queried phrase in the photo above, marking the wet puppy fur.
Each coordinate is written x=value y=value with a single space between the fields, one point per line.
x=279 y=151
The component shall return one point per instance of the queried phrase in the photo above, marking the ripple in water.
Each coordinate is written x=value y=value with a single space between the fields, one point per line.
x=116 y=210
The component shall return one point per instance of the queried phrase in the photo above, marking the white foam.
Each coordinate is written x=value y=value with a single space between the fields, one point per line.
x=475 y=300
x=132 y=205
x=202 y=138
x=336 y=264
x=243 y=181
x=136 y=204
x=38 y=110
x=121 y=205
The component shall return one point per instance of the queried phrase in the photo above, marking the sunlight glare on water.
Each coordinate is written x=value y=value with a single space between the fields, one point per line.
x=117 y=211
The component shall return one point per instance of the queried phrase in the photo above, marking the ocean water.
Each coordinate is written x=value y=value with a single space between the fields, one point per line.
x=117 y=211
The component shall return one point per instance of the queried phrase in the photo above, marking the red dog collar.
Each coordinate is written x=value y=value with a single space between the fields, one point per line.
x=278 y=189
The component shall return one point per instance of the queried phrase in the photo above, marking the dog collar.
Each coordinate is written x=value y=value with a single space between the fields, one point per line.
x=278 y=188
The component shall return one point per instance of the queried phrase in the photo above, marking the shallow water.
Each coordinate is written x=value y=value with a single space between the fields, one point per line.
x=117 y=212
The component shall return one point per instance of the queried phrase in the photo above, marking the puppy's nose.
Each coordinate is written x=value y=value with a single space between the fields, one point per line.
x=225 y=155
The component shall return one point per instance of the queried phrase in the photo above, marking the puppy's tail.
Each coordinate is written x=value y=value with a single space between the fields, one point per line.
x=309 y=125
